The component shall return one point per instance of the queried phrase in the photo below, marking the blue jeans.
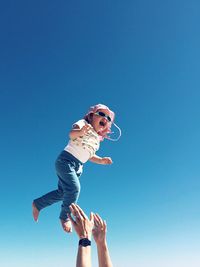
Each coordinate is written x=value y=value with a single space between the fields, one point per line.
x=68 y=169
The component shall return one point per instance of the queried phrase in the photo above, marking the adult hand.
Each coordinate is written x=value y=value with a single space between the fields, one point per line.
x=99 y=234
x=82 y=225
x=99 y=230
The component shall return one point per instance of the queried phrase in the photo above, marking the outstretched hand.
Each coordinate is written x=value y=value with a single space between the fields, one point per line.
x=99 y=230
x=82 y=225
x=106 y=160
x=85 y=129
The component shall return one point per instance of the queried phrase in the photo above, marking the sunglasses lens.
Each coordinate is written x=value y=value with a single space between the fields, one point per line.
x=102 y=114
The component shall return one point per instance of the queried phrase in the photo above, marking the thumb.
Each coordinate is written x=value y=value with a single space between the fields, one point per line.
x=92 y=217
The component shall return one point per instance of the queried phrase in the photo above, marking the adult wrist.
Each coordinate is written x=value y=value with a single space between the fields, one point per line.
x=84 y=242
x=85 y=234
x=101 y=243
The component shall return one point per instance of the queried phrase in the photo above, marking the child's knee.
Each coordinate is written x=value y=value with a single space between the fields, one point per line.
x=76 y=188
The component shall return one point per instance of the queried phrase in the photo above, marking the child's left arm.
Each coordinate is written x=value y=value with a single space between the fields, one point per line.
x=99 y=160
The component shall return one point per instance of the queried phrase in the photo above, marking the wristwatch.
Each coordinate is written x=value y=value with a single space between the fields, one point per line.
x=84 y=242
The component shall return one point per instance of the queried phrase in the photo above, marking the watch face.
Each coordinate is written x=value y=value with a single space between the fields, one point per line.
x=84 y=242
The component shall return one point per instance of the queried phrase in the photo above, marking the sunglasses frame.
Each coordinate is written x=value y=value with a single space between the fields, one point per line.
x=102 y=114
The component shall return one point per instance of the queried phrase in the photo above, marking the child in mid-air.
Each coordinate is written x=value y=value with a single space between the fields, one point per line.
x=85 y=138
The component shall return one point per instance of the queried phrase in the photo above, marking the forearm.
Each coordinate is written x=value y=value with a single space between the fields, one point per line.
x=103 y=255
x=96 y=159
x=84 y=257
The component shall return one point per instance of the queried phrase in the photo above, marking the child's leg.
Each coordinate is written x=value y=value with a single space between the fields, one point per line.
x=71 y=193
x=46 y=200
x=71 y=190
x=35 y=212
x=70 y=184
x=67 y=226
x=69 y=170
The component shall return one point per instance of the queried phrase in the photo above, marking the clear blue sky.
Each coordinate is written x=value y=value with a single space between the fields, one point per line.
x=142 y=59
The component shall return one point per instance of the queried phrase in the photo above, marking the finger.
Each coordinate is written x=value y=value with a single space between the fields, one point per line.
x=79 y=216
x=72 y=209
x=77 y=212
x=99 y=219
x=105 y=225
x=96 y=220
x=101 y=223
x=92 y=217
x=81 y=212
x=87 y=127
x=71 y=219
x=109 y=160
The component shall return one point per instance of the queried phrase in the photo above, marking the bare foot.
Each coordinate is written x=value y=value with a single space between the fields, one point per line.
x=66 y=225
x=35 y=212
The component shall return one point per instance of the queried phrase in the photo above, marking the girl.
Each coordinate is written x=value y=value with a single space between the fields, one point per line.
x=85 y=138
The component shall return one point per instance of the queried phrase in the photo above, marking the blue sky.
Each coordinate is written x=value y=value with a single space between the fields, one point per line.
x=141 y=58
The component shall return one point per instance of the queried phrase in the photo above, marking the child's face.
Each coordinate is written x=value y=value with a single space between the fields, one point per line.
x=100 y=120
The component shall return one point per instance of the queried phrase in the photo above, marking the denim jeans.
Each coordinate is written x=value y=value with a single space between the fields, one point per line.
x=68 y=169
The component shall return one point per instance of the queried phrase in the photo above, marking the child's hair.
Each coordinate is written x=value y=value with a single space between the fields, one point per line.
x=103 y=134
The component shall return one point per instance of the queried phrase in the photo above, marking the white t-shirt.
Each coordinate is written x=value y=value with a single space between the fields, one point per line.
x=83 y=148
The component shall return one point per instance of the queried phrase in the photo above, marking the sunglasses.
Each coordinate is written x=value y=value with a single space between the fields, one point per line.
x=102 y=114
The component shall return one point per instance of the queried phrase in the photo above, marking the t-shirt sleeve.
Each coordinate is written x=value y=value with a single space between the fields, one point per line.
x=79 y=124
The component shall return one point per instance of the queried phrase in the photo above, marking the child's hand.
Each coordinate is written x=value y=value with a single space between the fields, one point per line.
x=85 y=129
x=106 y=160
x=76 y=132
